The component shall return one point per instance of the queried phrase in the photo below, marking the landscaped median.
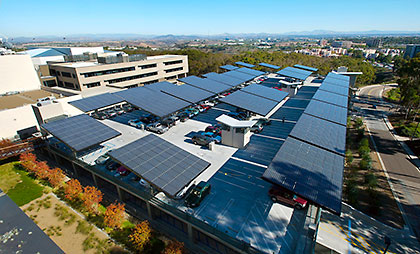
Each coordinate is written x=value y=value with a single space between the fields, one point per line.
x=70 y=213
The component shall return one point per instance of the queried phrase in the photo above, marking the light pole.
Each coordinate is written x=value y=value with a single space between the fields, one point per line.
x=387 y=242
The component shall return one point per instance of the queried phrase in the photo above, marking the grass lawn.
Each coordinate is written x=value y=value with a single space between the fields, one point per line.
x=16 y=183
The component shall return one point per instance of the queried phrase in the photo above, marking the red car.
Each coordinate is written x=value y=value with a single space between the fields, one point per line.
x=205 y=107
x=278 y=88
x=226 y=94
x=278 y=194
x=123 y=171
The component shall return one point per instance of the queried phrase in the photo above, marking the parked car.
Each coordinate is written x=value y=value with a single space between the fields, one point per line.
x=111 y=113
x=264 y=121
x=278 y=88
x=169 y=122
x=119 y=110
x=214 y=136
x=103 y=158
x=205 y=107
x=147 y=119
x=238 y=115
x=112 y=165
x=123 y=171
x=183 y=116
x=197 y=194
x=201 y=140
x=213 y=128
x=127 y=108
x=157 y=128
x=136 y=123
x=256 y=128
x=193 y=110
x=278 y=194
x=100 y=115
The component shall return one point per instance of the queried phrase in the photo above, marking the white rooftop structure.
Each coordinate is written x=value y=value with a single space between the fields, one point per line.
x=232 y=122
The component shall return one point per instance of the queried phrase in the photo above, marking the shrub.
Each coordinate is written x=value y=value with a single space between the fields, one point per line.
x=364 y=142
x=364 y=150
x=371 y=181
x=349 y=157
x=365 y=165
x=352 y=192
x=83 y=227
x=358 y=123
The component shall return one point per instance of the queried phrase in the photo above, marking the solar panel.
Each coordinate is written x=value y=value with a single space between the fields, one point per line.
x=158 y=86
x=305 y=67
x=270 y=66
x=334 y=89
x=289 y=114
x=259 y=150
x=96 y=102
x=321 y=133
x=295 y=73
x=161 y=163
x=245 y=64
x=338 y=76
x=206 y=84
x=244 y=77
x=331 y=98
x=152 y=101
x=337 y=82
x=187 y=93
x=80 y=132
x=250 y=71
x=327 y=111
x=250 y=102
x=228 y=67
x=311 y=172
x=225 y=79
x=265 y=92
x=296 y=103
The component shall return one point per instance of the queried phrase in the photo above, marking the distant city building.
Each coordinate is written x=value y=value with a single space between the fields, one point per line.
x=120 y=71
x=323 y=42
x=17 y=74
x=41 y=56
x=411 y=51
x=375 y=42
x=341 y=44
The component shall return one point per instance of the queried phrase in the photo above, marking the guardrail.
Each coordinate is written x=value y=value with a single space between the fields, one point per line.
x=19 y=147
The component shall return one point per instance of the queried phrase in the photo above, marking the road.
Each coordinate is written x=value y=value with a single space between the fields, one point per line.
x=403 y=174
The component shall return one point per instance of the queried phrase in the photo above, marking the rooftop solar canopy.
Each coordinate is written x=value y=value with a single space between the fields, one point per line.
x=338 y=76
x=228 y=67
x=155 y=102
x=250 y=71
x=245 y=64
x=305 y=67
x=80 y=132
x=187 y=93
x=244 y=77
x=327 y=112
x=341 y=90
x=321 y=133
x=225 y=79
x=206 y=84
x=250 y=102
x=160 y=163
x=337 y=82
x=295 y=73
x=159 y=85
x=265 y=92
x=311 y=172
x=331 y=98
x=96 y=102
x=270 y=66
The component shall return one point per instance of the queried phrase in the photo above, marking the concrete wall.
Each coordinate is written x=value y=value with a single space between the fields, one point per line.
x=17 y=73
x=43 y=60
x=13 y=120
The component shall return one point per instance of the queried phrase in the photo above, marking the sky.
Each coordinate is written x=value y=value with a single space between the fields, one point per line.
x=198 y=17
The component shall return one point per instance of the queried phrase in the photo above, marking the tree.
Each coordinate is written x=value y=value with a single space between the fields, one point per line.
x=174 y=247
x=5 y=143
x=141 y=235
x=27 y=160
x=41 y=169
x=114 y=215
x=91 y=198
x=56 y=177
x=409 y=83
x=73 y=189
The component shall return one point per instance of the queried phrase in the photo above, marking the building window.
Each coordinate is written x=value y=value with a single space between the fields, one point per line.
x=90 y=85
x=106 y=72
x=150 y=82
x=74 y=76
x=147 y=66
x=49 y=83
x=52 y=72
x=66 y=74
x=68 y=85
x=174 y=69
x=58 y=73
x=60 y=84
x=117 y=80
x=173 y=62
x=171 y=77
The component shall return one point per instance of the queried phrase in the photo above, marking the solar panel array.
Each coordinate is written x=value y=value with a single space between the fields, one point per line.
x=327 y=112
x=245 y=64
x=244 y=77
x=331 y=98
x=152 y=101
x=158 y=86
x=229 y=67
x=255 y=73
x=80 y=132
x=96 y=102
x=295 y=73
x=223 y=78
x=338 y=76
x=333 y=88
x=311 y=172
x=206 y=84
x=270 y=66
x=305 y=67
x=265 y=92
x=164 y=165
x=250 y=102
x=187 y=93
x=321 y=133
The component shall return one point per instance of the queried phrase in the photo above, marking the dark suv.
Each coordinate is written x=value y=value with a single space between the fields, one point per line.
x=201 y=140
x=278 y=194
x=197 y=194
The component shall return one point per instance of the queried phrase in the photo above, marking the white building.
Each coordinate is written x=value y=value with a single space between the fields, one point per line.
x=17 y=74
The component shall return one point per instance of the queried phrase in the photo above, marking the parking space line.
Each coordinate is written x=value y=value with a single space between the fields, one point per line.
x=265 y=136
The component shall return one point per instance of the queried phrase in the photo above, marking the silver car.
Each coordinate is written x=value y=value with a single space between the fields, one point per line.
x=157 y=128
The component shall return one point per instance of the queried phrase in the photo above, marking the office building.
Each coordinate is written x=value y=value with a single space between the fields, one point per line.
x=341 y=44
x=411 y=51
x=17 y=74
